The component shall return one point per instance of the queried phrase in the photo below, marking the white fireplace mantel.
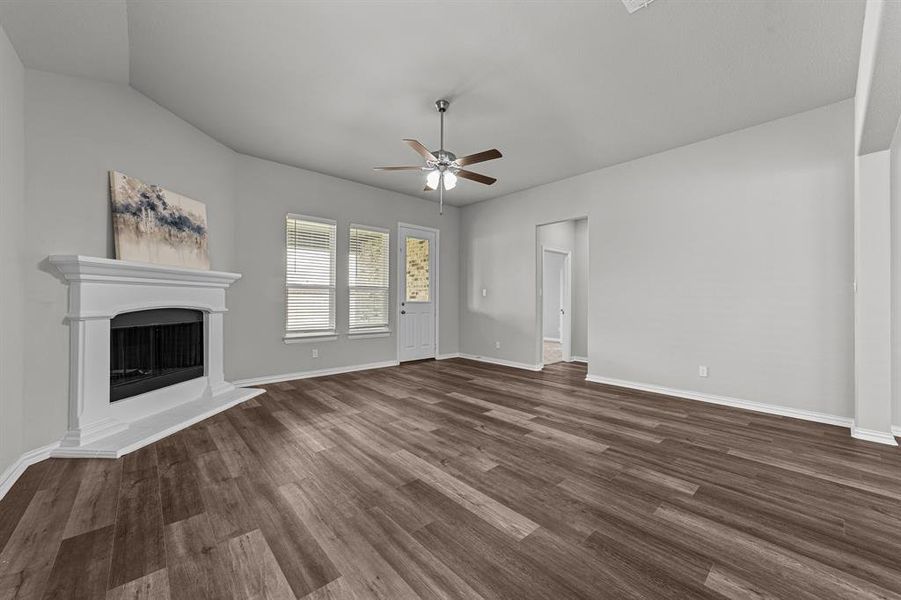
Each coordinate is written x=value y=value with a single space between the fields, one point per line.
x=100 y=289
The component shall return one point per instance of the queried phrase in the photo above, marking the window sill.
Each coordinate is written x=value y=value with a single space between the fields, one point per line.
x=300 y=338
x=362 y=335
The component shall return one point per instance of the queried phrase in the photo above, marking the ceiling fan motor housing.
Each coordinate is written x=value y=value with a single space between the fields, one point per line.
x=445 y=158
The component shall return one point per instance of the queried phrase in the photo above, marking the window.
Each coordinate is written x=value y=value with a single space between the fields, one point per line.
x=417 y=275
x=310 y=277
x=367 y=278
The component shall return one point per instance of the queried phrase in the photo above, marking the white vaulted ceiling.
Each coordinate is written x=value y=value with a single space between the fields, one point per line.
x=560 y=87
x=87 y=38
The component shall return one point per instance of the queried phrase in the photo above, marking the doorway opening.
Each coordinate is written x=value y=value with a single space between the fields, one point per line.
x=562 y=292
x=556 y=293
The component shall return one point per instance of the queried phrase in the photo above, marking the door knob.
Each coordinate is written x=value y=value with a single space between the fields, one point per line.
x=403 y=312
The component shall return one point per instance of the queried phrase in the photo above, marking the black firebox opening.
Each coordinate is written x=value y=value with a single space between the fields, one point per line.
x=152 y=349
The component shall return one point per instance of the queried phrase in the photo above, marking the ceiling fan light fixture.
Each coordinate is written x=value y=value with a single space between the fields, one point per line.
x=443 y=167
x=450 y=180
x=433 y=178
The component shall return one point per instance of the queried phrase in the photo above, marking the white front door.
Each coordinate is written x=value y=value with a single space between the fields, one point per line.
x=416 y=292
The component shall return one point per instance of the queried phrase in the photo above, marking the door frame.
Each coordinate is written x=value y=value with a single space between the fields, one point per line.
x=566 y=322
x=401 y=271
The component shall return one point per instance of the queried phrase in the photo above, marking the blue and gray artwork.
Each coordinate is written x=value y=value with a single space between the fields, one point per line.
x=152 y=224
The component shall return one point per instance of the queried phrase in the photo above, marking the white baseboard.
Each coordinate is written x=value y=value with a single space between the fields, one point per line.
x=15 y=470
x=501 y=361
x=447 y=356
x=771 y=409
x=579 y=359
x=549 y=339
x=896 y=430
x=872 y=435
x=317 y=373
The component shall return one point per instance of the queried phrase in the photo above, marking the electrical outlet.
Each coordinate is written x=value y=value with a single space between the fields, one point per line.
x=702 y=370
x=497 y=345
x=484 y=292
x=315 y=352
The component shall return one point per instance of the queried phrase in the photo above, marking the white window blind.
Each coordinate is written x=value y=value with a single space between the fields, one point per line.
x=310 y=276
x=367 y=278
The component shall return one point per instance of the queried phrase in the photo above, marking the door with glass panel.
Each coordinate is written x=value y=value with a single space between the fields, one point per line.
x=416 y=293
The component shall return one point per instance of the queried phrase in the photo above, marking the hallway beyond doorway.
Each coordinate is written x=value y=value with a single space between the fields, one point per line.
x=553 y=352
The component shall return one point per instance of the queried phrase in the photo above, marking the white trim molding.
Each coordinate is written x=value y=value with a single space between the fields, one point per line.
x=872 y=435
x=448 y=356
x=501 y=361
x=580 y=359
x=309 y=339
x=368 y=335
x=401 y=283
x=267 y=379
x=126 y=272
x=760 y=407
x=15 y=470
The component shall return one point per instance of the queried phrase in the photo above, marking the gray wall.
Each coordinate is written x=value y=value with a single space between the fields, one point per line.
x=76 y=131
x=255 y=325
x=580 y=289
x=12 y=219
x=558 y=235
x=735 y=252
x=896 y=275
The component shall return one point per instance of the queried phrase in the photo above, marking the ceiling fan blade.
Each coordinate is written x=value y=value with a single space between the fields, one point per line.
x=422 y=150
x=479 y=157
x=396 y=168
x=475 y=177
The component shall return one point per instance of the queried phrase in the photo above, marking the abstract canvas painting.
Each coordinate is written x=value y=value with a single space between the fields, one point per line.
x=155 y=225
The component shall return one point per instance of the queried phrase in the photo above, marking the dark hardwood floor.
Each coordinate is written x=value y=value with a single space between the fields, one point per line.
x=461 y=480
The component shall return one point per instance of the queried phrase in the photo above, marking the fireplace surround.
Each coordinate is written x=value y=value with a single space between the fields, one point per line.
x=107 y=296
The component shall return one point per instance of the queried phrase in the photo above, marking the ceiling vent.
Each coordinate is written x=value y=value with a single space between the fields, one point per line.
x=633 y=5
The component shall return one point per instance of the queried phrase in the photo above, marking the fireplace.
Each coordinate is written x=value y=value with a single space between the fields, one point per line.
x=152 y=349
x=146 y=349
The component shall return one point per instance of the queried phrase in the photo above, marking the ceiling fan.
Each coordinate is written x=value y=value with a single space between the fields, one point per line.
x=443 y=167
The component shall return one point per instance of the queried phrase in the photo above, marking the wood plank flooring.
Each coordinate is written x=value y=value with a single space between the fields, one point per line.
x=460 y=480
